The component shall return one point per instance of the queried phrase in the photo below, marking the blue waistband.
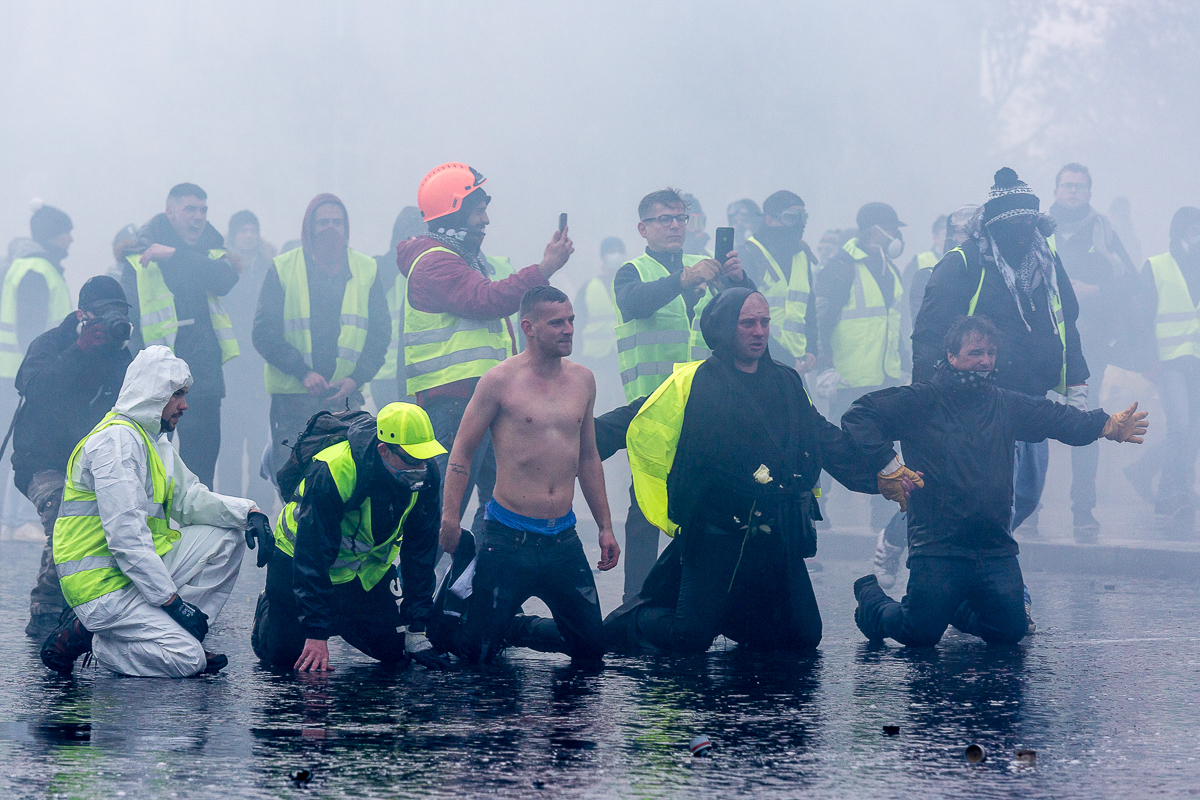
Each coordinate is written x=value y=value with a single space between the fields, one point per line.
x=520 y=522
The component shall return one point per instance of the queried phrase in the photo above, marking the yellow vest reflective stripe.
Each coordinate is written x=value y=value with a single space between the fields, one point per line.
x=86 y=567
x=648 y=349
x=156 y=308
x=927 y=260
x=1177 y=323
x=293 y=277
x=442 y=348
x=501 y=269
x=1056 y=313
x=788 y=300
x=57 y=308
x=866 y=341
x=652 y=440
x=358 y=554
x=599 y=338
x=395 y=301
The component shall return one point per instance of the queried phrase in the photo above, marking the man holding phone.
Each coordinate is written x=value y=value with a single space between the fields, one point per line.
x=659 y=296
x=322 y=325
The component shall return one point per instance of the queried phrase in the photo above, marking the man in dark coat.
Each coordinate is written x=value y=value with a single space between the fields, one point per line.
x=69 y=380
x=737 y=491
x=958 y=429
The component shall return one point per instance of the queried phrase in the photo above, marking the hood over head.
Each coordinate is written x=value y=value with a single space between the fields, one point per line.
x=306 y=228
x=719 y=322
x=23 y=247
x=155 y=374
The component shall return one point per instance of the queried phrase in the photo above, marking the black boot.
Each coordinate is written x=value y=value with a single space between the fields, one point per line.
x=66 y=643
x=869 y=597
x=216 y=662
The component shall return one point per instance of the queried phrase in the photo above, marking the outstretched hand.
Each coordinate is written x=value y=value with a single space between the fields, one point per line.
x=1128 y=426
x=898 y=486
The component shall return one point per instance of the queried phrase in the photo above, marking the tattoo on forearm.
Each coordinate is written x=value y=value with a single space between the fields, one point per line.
x=459 y=469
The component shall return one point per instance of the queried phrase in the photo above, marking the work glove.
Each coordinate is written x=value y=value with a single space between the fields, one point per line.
x=891 y=484
x=1128 y=426
x=190 y=618
x=419 y=649
x=1077 y=396
x=258 y=530
x=826 y=383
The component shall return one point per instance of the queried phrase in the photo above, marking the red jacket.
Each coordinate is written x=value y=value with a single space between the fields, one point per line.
x=444 y=283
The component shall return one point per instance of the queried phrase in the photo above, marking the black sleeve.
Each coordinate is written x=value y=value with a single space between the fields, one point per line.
x=419 y=551
x=1077 y=368
x=947 y=296
x=45 y=358
x=832 y=290
x=189 y=268
x=267 y=334
x=916 y=290
x=850 y=464
x=612 y=427
x=318 y=538
x=638 y=300
x=877 y=419
x=1037 y=418
x=379 y=335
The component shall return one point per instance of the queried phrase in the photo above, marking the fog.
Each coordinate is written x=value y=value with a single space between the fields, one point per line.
x=586 y=108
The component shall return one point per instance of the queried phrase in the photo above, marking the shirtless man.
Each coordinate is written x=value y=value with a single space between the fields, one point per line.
x=539 y=408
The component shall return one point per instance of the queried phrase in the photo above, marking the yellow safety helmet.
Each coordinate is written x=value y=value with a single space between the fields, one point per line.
x=408 y=426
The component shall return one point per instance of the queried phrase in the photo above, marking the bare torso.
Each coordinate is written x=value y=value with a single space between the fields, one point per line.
x=536 y=436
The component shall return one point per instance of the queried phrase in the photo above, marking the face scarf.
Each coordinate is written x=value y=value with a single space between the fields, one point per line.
x=969 y=379
x=329 y=247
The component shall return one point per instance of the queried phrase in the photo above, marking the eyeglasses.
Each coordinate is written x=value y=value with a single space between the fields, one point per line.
x=666 y=219
x=792 y=217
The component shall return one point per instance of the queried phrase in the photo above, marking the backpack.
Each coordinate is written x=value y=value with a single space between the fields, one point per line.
x=324 y=428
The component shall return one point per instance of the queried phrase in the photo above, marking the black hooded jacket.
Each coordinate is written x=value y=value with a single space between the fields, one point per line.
x=735 y=421
x=1029 y=361
x=319 y=532
x=67 y=391
x=191 y=276
x=962 y=439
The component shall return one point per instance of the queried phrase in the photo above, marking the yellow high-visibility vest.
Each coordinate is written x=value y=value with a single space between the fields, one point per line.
x=57 y=308
x=1177 y=323
x=156 y=306
x=866 y=341
x=788 y=299
x=293 y=277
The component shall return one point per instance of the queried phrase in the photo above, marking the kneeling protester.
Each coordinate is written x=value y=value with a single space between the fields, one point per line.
x=959 y=430
x=370 y=494
x=725 y=458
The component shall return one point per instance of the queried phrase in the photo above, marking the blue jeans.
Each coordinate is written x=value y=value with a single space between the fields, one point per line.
x=980 y=596
x=1029 y=479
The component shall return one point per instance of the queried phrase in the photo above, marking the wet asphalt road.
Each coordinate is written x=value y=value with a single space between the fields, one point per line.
x=1106 y=693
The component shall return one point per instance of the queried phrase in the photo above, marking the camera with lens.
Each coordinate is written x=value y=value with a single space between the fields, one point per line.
x=115 y=323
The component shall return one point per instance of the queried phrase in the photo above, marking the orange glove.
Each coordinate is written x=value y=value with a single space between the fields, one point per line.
x=1128 y=426
x=898 y=484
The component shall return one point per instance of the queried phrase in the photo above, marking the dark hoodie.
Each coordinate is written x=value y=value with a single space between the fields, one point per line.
x=325 y=293
x=191 y=276
x=735 y=421
x=319 y=533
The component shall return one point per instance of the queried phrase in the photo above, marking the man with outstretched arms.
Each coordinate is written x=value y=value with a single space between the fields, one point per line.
x=538 y=407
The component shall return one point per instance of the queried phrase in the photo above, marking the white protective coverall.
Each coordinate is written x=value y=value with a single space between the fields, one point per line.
x=133 y=635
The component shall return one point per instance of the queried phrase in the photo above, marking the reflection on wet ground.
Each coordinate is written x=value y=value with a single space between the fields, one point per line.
x=1105 y=693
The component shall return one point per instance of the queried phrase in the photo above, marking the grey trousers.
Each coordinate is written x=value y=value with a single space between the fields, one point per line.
x=46 y=604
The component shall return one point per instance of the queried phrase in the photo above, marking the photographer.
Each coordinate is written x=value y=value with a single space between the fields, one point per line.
x=68 y=381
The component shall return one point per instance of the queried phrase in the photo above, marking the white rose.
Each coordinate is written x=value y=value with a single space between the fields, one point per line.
x=762 y=474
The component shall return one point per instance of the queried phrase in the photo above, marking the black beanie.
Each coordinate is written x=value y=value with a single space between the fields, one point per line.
x=1010 y=197
x=48 y=222
x=779 y=202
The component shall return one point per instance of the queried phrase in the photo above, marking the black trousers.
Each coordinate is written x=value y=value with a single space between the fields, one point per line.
x=984 y=597
x=512 y=566
x=755 y=602
x=367 y=621
x=641 y=548
x=199 y=432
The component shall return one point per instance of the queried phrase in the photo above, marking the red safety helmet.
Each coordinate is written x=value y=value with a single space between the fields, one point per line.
x=443 y=189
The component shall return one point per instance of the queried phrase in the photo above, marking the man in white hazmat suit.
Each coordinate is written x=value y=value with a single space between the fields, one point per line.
x=143 y=591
